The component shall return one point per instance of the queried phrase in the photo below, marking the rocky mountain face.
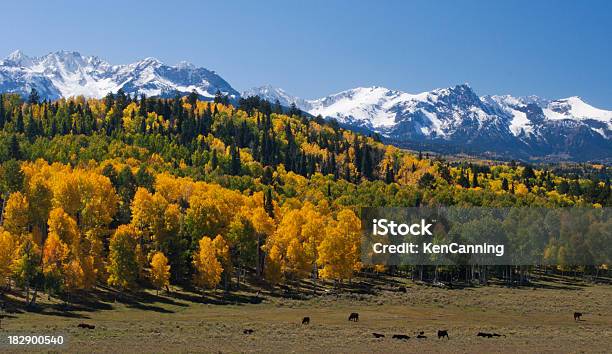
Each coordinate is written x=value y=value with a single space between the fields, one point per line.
x=457 y=120
x=448 y=120
x=65 y=74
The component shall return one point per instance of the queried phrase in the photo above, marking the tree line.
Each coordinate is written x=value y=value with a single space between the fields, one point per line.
x=140 y=191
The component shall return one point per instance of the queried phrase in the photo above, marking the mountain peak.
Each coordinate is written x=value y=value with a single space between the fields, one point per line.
x=273 y=94
x=18 y=58
x=16 y=55
x=66 y=73
x=150 y=61
x=185 y=65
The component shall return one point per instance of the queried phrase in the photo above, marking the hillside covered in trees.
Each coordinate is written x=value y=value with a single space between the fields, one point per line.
x=143 y=192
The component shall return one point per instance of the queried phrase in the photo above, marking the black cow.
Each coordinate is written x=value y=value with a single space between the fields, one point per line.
x=577 y=316
x=442 y=334
x=354 y=317
x=400 y=336
x=378 y=335
x=248 y=331
x=421 y=335
x=489 y=335
x=306 y=320
x=85 y=325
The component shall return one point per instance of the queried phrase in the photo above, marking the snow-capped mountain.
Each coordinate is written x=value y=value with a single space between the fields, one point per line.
x=448 y=120
x=273 y=94
x=65 y=74
x=456 y=119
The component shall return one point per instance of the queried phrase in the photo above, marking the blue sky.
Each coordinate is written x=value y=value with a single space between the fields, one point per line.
x=550 y=48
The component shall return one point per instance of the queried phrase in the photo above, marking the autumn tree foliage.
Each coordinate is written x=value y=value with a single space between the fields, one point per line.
x=97 y=191
x=8 y=250
x=207 y=265
x=123 y=263
x=55 y=255
x=25 y=267
x=160 y=271
x=339 y=249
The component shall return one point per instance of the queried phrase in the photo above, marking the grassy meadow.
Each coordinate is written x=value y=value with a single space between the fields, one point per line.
x=538 y=318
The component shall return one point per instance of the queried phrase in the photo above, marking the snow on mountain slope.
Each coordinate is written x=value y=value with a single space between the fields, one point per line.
x=374 y=107
x=447 y=119
x=575 y=108
x=273 y=94
x=511 y=126
x=514 y=108
x=437 y=113
x=66 y=74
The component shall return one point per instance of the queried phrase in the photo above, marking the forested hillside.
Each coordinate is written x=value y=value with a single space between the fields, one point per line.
x=143 y=192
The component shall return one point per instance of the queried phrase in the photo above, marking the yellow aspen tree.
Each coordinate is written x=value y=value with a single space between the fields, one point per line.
x=208 y=268
x=27 y=265
x=272 y=271
x=55 y=253
x=312 y=231
x=73 y=275
x=350 y=226
x=94 y=248
x=65 y=192
x=8 y=249
x=99 y=201
x=143 y=214
x=221 y=250
x=333 y=262
x=141 y=261
x=65 y=227
x=160 y=271
x=123 y=265
x=339 y=249
x=153 y=215
x=297 y=263
x=264 y=227
x=90 y=272
x=38 y=190
x=16 y=214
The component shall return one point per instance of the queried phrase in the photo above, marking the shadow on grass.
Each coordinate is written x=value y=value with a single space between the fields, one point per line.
x=253 y=290
x=189 y=294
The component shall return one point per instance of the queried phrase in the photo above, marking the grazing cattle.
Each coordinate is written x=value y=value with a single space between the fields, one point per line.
x=401 y=289
x=400 y=336
x=443 y=333
x=354 y=317
x=85 y=325
x=421 y=335
x=378 y=335
x=248 y=331
x=489 y=335
x=306 y=320
x=577 y=316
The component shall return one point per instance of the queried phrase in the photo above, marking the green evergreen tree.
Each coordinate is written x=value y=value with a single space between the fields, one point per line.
x=504 y=184
x=235 y=160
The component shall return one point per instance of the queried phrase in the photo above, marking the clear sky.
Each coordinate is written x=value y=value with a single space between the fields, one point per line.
x=549 y=48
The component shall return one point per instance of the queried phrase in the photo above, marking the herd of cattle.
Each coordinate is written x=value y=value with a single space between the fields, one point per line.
x=354 y=317
x=442 y=333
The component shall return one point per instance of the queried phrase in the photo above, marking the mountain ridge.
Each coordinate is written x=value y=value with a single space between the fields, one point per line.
x=455 y=117
x=520 y=127
x=68 y=73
